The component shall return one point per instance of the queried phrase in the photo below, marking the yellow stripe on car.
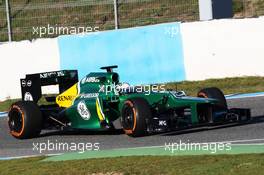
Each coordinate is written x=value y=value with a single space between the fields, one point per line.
x=99 y=110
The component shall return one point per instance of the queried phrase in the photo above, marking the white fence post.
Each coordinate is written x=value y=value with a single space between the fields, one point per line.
x=8 y=22
x=205 y=10
x=116 y=14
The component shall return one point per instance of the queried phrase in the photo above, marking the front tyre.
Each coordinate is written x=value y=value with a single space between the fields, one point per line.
x=24 y=120
x=214 y=93
x=134 y=114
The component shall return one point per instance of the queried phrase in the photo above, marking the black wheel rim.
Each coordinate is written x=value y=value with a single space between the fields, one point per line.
x=15 y=121
x=128 y=117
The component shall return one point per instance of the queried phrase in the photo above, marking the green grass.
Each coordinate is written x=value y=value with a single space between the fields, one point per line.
x=227 y=85
x=4 y=106
x=155 y=165
x=238 y=6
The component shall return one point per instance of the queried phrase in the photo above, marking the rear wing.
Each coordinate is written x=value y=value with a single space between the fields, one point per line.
x=31 y=85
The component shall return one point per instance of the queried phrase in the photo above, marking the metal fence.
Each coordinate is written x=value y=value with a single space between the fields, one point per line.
x=248 y=8
x=27 y=17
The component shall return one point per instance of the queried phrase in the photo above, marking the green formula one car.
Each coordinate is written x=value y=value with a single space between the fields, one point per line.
x=99 y=99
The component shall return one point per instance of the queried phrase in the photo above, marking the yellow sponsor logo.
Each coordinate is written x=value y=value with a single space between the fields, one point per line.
x=66 y=98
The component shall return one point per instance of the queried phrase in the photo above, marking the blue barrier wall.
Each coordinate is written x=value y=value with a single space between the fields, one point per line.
x=3 y=114
x=151 y=54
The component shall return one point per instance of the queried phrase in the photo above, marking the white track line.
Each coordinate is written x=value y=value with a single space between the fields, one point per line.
x=29 y=156
x=232 y=141
x=241 y=96
x=248 y=144
x=149 y=147
x=235 y=141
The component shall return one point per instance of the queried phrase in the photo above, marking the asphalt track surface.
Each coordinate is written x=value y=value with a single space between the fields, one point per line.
x=251 y=133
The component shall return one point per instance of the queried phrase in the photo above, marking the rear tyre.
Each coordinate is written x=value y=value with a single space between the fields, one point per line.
x=215 y=93
x=134 y=114
x=25 y=120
